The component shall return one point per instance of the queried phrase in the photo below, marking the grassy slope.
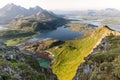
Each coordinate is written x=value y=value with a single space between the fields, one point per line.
x=107 y=62
x=72 y=53
x=16 y=41
x=13 y=37
x=112 y=56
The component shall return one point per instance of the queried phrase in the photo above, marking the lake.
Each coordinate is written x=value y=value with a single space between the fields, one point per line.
x=61 y=33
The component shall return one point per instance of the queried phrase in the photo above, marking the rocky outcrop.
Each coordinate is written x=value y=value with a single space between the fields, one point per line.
x=18 y=65
x=107 y=32
x=90 y=65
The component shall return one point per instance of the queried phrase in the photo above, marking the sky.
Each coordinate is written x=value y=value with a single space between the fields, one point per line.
x=65 y=4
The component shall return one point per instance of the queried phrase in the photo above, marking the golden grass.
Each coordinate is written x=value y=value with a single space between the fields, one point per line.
x=73 y=52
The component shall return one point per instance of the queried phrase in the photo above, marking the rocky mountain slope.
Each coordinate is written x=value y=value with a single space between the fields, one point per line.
x=72 y=53
x=21 y=65
x=103 y=63
x=12 y=11
x=43 y=20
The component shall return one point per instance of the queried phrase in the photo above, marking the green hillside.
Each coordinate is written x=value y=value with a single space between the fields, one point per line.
x=72 y=53
x=104 y=63
x=20 y=30
x=14 y=37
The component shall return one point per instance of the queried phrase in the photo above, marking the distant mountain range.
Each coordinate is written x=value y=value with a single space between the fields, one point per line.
x=12 y=11
x=43 y=20
x=111 y=12
x=34 y=19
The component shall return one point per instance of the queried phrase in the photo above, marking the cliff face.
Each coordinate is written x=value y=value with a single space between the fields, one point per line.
x=106 y=32
x=71 y=54
x=103 y=62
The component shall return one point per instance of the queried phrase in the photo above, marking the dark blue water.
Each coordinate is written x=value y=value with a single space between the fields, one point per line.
x=60 y=33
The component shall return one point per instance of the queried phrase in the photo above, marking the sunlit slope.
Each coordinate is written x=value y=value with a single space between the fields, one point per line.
x=71 y=54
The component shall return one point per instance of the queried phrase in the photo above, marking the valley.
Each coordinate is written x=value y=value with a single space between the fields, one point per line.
x=37 y=44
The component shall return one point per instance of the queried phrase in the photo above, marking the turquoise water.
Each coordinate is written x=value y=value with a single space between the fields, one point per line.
x=44 y=63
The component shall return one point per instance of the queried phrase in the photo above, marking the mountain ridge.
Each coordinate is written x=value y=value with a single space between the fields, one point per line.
x=12 y=11
x=103 y=62
x=34 y=19
x=43 y=20
x=65 y=59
